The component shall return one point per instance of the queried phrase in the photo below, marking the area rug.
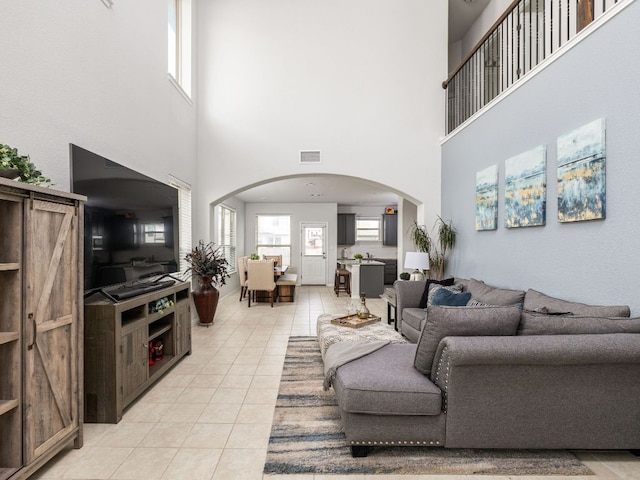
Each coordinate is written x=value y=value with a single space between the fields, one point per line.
x=306 y=436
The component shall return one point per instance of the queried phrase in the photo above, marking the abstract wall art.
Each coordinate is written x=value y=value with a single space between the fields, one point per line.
x=525 y=191
x=487 y=198
x=581 y=173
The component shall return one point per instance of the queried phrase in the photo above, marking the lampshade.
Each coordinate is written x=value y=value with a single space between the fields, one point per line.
x=419 y=261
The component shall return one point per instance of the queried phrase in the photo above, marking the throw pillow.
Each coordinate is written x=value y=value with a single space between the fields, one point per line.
x=539 y=302
x=495 y=296
x=445 y=321
x=445 y=297
x=539 y=324
x=427 y=286
x=436 y=288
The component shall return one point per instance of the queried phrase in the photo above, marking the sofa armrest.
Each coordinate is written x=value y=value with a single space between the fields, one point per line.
x=556 y=391
x=408 y=295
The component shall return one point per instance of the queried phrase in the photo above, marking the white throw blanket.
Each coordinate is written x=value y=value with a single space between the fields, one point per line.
x=344 y=352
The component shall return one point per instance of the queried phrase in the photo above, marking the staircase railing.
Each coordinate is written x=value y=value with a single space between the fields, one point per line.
x=525 y=34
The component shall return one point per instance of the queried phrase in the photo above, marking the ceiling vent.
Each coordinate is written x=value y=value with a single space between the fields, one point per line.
x=310 y=156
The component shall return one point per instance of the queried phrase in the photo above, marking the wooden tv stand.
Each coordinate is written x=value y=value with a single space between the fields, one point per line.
x=116 y=347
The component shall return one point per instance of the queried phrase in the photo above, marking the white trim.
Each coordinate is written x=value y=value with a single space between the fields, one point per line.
x=594 y=26
x=175 y=83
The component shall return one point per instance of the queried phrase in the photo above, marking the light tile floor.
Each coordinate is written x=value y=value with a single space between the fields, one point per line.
x=210 y=417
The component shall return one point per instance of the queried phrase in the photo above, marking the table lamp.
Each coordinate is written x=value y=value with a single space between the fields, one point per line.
x=419 y=261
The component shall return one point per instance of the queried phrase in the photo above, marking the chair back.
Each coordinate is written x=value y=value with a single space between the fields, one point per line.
x=242 y=270
x=260 y=275
x=275 y=258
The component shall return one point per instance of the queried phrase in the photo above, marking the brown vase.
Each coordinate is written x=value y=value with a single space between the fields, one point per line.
x=206 y=301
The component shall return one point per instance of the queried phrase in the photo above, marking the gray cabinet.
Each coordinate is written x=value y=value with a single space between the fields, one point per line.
x=390 y=270
x=390 y=229
x=346 y=229
x=40 y=325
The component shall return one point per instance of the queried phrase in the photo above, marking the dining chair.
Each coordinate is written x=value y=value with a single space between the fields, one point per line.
x=260 y=278
x=276 y=258
x=242 y=275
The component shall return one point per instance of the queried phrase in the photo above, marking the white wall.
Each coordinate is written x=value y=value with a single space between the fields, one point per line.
x=594 y=262
x=357 y=79
x=487 y=18
x=77 y=72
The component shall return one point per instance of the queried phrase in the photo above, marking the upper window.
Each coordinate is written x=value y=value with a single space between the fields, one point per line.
x=227 y=235
x=179 y=43
x=368 y=229
x=273 y=236
x=184 y=214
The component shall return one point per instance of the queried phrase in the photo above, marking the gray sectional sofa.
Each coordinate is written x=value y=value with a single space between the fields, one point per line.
x=544 y=373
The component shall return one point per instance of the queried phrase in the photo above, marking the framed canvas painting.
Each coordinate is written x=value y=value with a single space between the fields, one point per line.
x=582 y=173
x=487 y=198
x=525 y=190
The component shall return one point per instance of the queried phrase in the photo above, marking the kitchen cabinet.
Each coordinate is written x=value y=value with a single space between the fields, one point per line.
x=40 y=325
x=390 y=229
x=390 y=270
x=346 y=229
x=119 y=362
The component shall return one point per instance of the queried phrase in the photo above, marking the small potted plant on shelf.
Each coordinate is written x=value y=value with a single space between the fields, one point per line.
x=209 y=264
x=19 y=167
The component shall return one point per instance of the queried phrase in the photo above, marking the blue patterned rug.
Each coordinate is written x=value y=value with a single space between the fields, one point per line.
x=306 y=436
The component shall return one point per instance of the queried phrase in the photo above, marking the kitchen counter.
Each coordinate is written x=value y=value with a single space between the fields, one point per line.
x=367 y=276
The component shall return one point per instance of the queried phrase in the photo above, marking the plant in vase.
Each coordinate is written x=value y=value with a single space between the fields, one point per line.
x=437 y=248
x=209 y=264
x=358 y=257
x=19 y=167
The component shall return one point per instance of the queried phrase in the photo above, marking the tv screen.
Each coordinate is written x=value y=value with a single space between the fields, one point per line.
x=130 y=225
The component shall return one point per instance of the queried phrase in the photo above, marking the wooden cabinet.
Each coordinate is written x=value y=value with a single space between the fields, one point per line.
x=119 y=338
x=40 y=325
x=390 y=229
x=346 y=229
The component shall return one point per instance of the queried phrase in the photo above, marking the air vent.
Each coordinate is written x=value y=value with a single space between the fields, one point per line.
x=310 y=156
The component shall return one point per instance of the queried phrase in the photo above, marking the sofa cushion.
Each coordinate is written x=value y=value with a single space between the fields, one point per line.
x=385 y=383
x=484 y=293
x=539 y=302
x=427 y=286
x=414 y=317
x=437 y=288
x=462 y=322
x=542 y=324
x=452 y=299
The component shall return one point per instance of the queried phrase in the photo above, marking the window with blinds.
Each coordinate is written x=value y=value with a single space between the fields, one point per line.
x=273 y=236
x=368 y=229
x=184 y=216
x=227 y=235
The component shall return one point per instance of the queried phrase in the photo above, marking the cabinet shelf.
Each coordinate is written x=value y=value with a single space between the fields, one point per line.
x=9 y=267
x=156 y=332
x=6 y=337
x=8 y=405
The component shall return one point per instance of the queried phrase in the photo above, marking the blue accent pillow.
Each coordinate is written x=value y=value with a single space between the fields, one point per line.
x=450 y=299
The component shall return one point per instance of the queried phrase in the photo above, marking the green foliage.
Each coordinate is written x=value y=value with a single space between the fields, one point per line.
x=358 y=256
x=255 y=256
x=27 y=171
x=445 y=240
x=206 y=261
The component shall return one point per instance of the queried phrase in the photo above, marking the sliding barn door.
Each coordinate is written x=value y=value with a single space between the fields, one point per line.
x=50 y=325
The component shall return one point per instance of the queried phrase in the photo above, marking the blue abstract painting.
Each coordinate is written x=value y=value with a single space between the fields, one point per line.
x=487 y=198
x=582 y=173
x=525 y=191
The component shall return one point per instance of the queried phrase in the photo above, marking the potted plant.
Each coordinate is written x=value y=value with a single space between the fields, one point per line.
x=16 y=166
x=358 y=257
x=209 y=264
x=436 y=248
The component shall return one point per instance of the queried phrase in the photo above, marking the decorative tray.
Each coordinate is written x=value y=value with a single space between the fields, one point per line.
x=352 y=321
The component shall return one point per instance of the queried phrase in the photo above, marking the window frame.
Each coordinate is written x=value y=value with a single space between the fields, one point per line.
x=144 y=232
x=232 y=246
x=260 y=246
x=378 y=229
x=179 y=64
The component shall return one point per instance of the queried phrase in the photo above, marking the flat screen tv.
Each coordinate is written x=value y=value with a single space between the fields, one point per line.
x=130 y=225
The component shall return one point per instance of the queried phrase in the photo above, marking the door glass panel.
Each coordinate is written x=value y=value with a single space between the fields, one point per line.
x=313 y=241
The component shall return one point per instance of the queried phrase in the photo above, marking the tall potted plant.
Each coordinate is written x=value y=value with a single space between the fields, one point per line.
x=436 y=248
x=209 y=264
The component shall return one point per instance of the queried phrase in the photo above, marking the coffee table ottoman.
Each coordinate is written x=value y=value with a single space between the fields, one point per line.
x=328 y=333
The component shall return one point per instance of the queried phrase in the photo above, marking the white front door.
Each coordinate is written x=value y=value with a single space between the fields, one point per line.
x=313 y=265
